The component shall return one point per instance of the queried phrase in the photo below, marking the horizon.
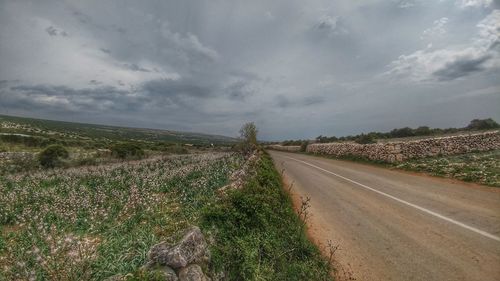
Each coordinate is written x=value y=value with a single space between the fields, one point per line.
x=298 y=70
x=228 y=136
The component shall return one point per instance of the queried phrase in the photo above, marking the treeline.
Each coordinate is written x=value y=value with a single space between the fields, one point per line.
x=474 y=125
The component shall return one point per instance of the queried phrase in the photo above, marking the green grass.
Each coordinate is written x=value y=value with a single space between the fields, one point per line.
x=477 y=167
x=89 y=223
x=93 y=222
x=258 y=236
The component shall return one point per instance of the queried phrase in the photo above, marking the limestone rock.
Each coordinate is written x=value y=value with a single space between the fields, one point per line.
x=404 y=150
x=192 y=248
x=192 y=273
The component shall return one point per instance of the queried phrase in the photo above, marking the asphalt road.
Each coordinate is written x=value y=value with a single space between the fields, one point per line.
x=393 y=225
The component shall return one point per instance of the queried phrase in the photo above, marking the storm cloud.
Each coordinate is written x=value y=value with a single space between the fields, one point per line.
x=298 y=69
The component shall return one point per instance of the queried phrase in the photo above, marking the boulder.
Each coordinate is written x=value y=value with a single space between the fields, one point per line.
x=192 y=273
x=166 y=273
x=191 y=248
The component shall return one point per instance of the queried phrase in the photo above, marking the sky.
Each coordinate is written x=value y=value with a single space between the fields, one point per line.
x=296 y=68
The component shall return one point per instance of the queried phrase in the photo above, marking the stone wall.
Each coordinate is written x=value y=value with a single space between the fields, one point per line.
x=403 y=150
x=289 y=148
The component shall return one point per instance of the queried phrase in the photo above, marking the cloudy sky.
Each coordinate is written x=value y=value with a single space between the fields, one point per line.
x=297 y=68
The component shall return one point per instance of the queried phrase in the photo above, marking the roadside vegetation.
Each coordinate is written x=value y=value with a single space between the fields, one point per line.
x=258 y=236
x=478 y=167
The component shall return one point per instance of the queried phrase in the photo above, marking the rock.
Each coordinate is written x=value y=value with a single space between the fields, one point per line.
x=192 y=248
x=403 y=150
x=167 y=273
x=192 y=273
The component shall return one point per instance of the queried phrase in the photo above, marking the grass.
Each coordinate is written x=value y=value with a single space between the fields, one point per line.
x=258 y=236
x=89 y=223
x=477 y=167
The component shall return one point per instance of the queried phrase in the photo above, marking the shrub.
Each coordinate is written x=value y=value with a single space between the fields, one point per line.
x=482 y=124
x=303 y=146
x=176 y=149
x=127 y=150
x=88 y=161
x=51 y=156
x=365 y=139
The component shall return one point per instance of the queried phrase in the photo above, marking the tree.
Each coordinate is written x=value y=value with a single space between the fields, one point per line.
x=483 y=124
x=365 y=139
x=51 y=156
x=127 y=150
x=248 y=135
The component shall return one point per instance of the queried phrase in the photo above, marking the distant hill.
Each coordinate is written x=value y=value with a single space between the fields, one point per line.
x=42 y=127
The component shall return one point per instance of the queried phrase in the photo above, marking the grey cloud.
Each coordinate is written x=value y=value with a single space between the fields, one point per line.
x=289 y=65
x=106 y=51
x=461 y=67
x=331 y=25
x=63 y=98
x=135 y=67
x=286 y=102
x=52 y=31
x=239 y=90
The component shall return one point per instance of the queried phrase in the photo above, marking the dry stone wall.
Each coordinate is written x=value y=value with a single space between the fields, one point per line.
x=404 y=150
x=289 y=148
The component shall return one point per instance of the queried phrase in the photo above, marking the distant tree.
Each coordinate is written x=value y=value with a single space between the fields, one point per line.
x=482 y=124
x=303 y=146
x=422 y=131
x=51 y=156
x=248 y=135
x=402 y=132
x=127 y=150
x=365 y=139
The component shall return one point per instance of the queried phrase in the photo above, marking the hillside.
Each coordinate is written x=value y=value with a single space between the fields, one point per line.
x=42 y=127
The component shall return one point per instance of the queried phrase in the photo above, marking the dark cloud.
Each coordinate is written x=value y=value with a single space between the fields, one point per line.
x=104 y=50
x=461 y=67
x=135 y=67
x=239 y=90
x=52 y=31
x=63 y=98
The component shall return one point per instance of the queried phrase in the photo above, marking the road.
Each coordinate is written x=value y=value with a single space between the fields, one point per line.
x=394 y=225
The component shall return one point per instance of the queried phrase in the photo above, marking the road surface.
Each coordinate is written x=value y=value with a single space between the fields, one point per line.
x=393 y=225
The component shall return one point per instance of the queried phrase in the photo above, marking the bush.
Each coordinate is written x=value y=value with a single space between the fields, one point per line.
x=51 y=156
x=127 y=150
x=176 y=149
x=303 y=146
x=365 y=139
x=483 y=124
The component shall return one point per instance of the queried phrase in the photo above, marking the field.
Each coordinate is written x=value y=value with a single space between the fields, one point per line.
x=479 y=167
x=95 y=215
x=93 y=222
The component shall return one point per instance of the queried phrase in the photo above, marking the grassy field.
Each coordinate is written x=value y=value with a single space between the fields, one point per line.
x=89 y=223
x=97 y=214
x=479 y=167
